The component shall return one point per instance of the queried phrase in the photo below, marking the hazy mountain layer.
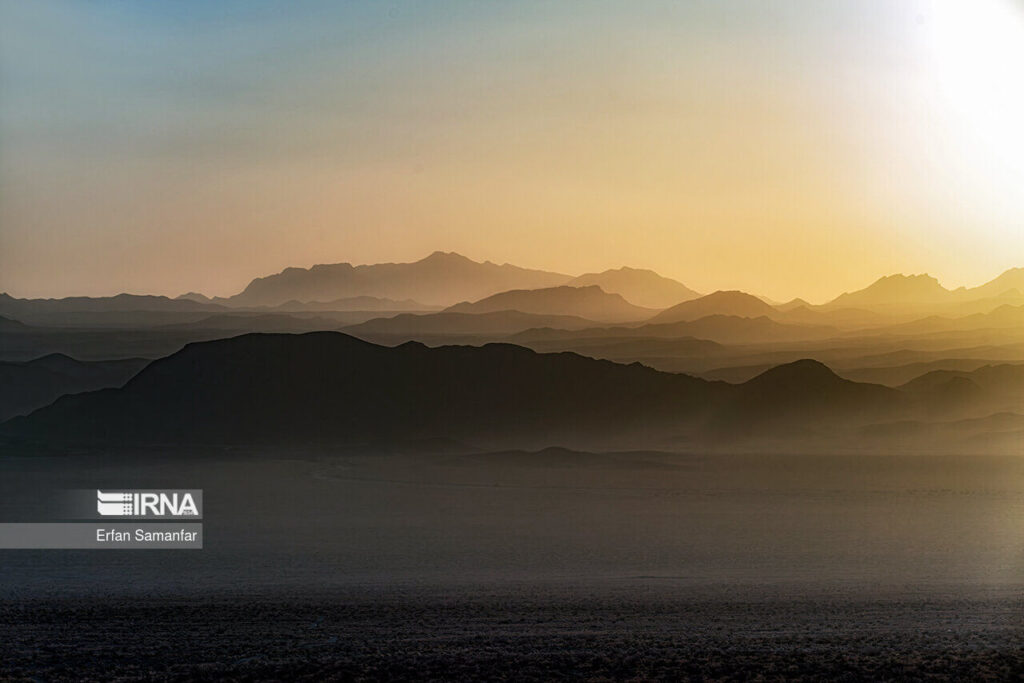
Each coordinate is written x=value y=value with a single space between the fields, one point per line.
x=444 y=279
x=257 y=322
x=719 y=303
x=1011 y=281
x=439 y=279
x=33 y=384
x=11 y=325
x=354 y=303
x=81 y=308
x=641 y=287
x=725 y=329
x=589 y=302
x=414 y=327
x=923 y=294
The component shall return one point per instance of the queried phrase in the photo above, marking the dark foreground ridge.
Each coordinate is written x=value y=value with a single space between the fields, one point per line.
x=330 y=387
x=25 y=386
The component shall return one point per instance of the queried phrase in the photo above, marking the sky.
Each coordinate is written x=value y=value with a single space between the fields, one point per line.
x=783 y=148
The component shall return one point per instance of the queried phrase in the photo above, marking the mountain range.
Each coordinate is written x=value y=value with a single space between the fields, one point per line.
x=444 y=279
x=122 y=307
x=724 y=329
x=449 y=279
x=588 y=301
x=9 y=325
x=916 y=293
x=718 y=303
x=25 y=386
x=452 y=324
x=641 y=287
x=331 y=387
x=439 y=279
x=328 y=387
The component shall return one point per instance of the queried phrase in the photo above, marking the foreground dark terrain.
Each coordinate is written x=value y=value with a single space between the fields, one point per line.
x=534 y=566
x=641 y=629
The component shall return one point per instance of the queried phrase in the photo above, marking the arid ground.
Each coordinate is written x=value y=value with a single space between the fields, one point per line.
x=523 y=566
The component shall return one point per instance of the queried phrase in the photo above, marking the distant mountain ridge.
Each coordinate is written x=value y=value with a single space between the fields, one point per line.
x=439 y=279
x=10 y=306
x=895 y=290
x=446 y=279
x=914 y=292
x=352 y=303
x=638 y=286
x=895 y=304
x=12 y=325
x=411 y=326
x=732 y=303
x=724 y=329
x=809 y=389
x=442 y=279
x=25 y=386
x=1012 y=279
x=589 y=302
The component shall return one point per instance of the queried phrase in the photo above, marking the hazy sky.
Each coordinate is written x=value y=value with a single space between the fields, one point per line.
x=784 y=148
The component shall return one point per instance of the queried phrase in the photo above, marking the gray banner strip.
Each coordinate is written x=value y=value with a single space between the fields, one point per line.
x=86 y=536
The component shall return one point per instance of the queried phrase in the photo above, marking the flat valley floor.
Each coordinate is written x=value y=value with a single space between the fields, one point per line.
x=533 y=566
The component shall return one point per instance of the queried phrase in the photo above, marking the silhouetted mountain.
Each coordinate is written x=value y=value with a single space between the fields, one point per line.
x=11 y=325
x=988 y=389
x=965 y=305
x=897 y=375
x=895 y=291
x=36 y=383
x=655 y=353
x=849 y=318
x=799 y=376
x=329 y=387
x=1005 y=316
x=724 y=329
x=735 y=374
x=719 y=303
x=807 y=396
x=194 y=296
x=641 y=287
x=71 y=310
x=922 y=294
x=953 y=396
x=439 y=279
x=410 y=326
x=1003 y=379
x=791 y=304
x=121 y=302
x=1011 y=280
x=354 y=303
x=628 y=347
x=590 y=302
x=255 y=322
x=730 y=329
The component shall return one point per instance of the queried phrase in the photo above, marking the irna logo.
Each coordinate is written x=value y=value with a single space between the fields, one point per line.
x=146 y=504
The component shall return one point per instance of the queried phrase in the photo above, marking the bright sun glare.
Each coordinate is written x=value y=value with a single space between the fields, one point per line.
x=976 y=52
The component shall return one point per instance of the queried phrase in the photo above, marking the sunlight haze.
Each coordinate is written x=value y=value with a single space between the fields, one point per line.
x=785 y=149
